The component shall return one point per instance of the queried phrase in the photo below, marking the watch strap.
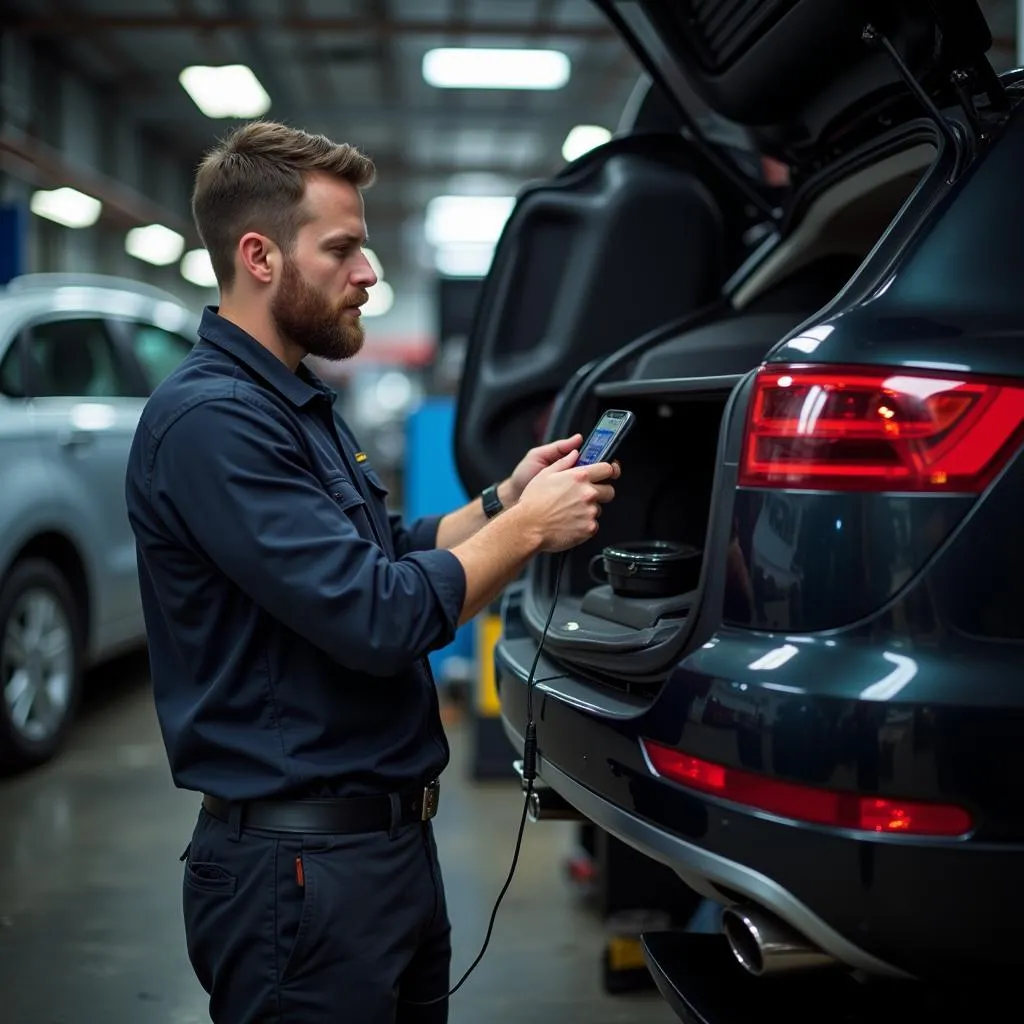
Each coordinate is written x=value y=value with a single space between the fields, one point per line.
x=491 y=502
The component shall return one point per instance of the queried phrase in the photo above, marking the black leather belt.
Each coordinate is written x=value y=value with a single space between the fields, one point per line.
x=331 y=815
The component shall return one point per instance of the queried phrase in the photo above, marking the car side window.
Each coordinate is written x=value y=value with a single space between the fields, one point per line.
x=157 y=351
x=75 y=358
x=12 y=374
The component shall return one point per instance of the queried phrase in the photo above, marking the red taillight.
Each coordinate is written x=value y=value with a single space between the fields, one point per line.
x=856 y=428
x=807 y=803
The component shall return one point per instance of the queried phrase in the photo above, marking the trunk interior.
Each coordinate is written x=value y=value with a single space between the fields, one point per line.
x=671 y=489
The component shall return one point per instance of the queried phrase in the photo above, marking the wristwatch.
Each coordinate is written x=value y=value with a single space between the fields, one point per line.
x=491 y=502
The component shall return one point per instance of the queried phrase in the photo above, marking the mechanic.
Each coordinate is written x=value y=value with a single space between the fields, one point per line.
x=289 y=615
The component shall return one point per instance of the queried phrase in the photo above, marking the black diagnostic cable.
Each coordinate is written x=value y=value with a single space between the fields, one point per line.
x=529 y=777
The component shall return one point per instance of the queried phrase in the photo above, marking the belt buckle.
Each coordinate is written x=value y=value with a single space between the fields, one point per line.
x=431 y=798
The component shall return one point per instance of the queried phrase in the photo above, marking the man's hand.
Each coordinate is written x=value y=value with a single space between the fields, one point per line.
x=562 y=502
x=460 y=525
x=557 y=510
x=536 y=459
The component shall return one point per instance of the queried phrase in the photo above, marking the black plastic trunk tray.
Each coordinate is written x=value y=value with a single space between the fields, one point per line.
x=637 y=612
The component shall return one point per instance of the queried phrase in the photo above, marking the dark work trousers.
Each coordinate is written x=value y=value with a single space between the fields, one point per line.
x=345 y=929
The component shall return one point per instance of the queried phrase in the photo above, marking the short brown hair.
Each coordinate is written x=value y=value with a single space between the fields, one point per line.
x=255 y=179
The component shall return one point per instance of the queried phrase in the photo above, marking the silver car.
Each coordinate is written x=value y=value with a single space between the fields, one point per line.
x=78 y=357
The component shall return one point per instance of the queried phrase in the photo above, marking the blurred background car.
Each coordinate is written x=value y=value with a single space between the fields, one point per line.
x=79 y=354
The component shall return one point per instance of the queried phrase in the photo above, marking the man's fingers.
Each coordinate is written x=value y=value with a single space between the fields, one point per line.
x=554 y=450
x=565 y=462
x=605 y=493
x=601 y=471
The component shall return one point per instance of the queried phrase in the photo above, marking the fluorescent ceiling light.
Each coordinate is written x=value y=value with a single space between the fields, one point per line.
x=382 y=298
x=463 y=260
x=66 y=206
x=228 y=91
x=489 y=68
x=197 y=269
x=375 y=264
x=467 y=219
x=155 y=244
x=582 y=139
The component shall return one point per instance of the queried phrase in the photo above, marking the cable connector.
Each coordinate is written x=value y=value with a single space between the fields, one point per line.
x=530 y=753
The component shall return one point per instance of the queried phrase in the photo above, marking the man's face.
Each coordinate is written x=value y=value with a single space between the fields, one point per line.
x=325 y=277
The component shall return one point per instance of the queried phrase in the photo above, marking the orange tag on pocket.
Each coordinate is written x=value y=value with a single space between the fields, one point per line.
x=300 y=875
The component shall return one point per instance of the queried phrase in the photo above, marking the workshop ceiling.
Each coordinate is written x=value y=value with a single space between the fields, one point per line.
x=353 y=70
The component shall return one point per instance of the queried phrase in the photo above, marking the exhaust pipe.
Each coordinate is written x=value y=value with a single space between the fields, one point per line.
x=764 y=945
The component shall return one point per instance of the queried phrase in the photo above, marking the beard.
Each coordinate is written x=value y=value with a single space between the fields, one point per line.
x=307 y=319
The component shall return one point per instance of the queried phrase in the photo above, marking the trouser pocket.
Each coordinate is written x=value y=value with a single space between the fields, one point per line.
x=228 y=899
x=209 y=891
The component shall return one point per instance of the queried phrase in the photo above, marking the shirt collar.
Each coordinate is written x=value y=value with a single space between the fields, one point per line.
x=299 y=388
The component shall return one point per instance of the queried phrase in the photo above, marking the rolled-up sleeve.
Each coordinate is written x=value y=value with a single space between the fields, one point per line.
x=419 y=535
x=231 y=477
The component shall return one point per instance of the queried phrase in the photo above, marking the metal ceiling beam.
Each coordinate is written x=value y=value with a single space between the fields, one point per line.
x=212 y=45
x=39 y=164
x=378 y=13
x=379 y=16
x=316 y=77
x=107 y=50
x=133 y=79
x=285 y=107
x=78 y=23
x=521 y=102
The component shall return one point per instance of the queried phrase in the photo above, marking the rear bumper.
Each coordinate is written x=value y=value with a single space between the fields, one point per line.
x=892 y=906
x=697 y=866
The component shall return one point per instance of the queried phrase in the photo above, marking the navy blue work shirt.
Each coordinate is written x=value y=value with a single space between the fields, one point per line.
x=288 y=614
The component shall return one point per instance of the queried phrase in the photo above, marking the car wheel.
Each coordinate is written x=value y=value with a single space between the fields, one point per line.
x=40 y=663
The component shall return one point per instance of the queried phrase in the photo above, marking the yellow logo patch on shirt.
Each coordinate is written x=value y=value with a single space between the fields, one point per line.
x=360 y=456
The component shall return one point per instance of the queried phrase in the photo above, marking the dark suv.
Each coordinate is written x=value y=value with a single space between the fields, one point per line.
x=794 y=674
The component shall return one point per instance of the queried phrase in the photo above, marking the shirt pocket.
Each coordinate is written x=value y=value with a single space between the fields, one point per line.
x=351 y=501
x=345 y=494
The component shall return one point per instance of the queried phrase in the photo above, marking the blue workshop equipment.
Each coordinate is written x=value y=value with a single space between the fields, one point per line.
x=13 y=240
x=431 y=486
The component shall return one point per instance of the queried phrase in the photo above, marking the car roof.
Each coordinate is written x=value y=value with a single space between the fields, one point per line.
x=35 y=294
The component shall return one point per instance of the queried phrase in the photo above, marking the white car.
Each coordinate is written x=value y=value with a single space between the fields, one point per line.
x=79 y=354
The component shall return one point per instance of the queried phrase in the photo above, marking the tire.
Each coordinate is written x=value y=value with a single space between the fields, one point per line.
x=41 y=657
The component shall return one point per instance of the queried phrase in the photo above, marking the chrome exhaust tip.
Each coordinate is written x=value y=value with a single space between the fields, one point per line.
x=764 y=945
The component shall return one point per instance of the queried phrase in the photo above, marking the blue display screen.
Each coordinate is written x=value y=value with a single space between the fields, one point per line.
x=597 y=445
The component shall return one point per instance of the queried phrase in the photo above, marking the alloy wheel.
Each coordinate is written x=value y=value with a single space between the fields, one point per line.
x=37 y=664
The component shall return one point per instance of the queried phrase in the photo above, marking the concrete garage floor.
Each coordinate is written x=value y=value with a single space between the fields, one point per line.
x=90 y=913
